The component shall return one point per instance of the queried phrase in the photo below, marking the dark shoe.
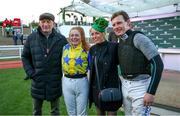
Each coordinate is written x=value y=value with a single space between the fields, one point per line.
x=26 y=78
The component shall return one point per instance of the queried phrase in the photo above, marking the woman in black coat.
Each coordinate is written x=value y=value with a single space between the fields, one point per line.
x=105 y=54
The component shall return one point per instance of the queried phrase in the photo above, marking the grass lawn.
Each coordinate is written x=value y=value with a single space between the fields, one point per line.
x=15 y=98
x=14 y=59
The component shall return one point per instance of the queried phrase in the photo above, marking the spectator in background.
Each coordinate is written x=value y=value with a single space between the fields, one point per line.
x=34 y=29
x=113 y=37
x=13 y=36
x=41 y=61
x=56 y=28
x=17 y=34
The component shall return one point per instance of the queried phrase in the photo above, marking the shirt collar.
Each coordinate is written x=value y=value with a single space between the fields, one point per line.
x=77 y=47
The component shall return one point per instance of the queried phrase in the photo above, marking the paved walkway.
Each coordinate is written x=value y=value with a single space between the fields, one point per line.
x=10 y=64
x=163 y=112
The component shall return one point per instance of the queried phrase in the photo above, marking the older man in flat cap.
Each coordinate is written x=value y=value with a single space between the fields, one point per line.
x=41 y=59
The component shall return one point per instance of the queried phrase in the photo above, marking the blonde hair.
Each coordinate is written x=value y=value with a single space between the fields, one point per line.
x=85 y=45
x=103 y=33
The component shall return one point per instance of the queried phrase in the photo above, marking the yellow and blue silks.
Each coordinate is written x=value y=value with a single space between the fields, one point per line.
x=74 y=60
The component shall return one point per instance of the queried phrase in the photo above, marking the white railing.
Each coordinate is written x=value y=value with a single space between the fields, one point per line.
x=10 y=51
x=170 y=57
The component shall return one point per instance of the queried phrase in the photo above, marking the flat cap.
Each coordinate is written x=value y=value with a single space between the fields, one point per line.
x=47 y=16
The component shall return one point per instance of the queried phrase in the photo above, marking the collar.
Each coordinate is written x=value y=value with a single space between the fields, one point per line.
x=46 y=35
x=102 y=43
x=126 y=35
x=79 y=46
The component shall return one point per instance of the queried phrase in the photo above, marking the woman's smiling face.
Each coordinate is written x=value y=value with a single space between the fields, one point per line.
x=75 y=37
x=96 y=36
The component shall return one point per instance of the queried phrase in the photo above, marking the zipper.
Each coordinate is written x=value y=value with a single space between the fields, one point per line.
x=47 y=47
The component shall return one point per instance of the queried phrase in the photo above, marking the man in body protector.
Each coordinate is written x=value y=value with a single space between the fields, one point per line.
x=141 y=66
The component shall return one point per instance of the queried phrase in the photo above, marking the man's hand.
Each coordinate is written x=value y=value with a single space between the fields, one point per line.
x=148 y=99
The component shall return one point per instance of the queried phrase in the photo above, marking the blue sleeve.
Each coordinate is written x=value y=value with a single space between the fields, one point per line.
x=89 y=60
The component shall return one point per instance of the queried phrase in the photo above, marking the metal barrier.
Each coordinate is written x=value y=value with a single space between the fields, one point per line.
x=10 y=51
x=170 y=57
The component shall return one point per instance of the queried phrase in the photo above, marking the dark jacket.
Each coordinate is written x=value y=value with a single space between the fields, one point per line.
x=137 y=63
x=41 y=59
x=107 y=61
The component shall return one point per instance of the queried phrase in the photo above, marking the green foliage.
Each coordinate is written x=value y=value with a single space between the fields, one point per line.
x=15 y=98
x=34 y=24
x=1 y=23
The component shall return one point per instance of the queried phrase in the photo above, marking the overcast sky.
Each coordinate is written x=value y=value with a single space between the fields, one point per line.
x=29 y=10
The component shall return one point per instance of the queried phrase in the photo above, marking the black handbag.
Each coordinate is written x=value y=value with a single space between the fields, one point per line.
x=110 y=99
x=110 y=94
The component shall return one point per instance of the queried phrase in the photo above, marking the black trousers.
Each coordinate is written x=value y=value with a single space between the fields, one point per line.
x=37 y=107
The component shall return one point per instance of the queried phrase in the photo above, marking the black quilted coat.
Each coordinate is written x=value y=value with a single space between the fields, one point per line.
x=42 y=63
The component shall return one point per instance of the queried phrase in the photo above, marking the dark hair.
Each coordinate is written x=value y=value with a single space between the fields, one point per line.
x=85 y=45
x=123 y=13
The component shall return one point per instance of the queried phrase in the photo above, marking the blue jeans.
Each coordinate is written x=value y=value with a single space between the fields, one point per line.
x=15 y=38
x=75 y=93
x=133 y=94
